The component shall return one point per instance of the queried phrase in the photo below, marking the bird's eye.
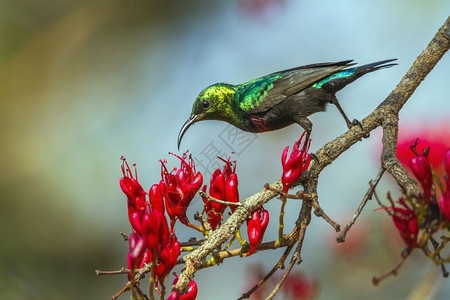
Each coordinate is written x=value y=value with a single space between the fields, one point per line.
x=205 y=104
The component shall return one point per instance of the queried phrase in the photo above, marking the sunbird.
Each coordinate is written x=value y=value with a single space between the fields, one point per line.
x=279 y=99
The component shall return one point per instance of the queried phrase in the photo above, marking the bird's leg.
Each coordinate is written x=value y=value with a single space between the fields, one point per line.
x=335 y=101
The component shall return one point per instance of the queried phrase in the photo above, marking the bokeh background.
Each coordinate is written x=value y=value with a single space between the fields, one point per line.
x=84 y=82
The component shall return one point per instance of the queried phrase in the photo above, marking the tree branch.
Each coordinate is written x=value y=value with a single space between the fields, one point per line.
x=385 y=115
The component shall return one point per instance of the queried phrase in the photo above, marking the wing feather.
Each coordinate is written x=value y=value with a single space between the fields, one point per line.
x=259 y=95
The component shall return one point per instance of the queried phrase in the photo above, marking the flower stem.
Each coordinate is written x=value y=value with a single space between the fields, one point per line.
x=152 y=279
x=163 y=291
x=281 y=218
x=240 y=239
x=196 y=227
x=230 y=243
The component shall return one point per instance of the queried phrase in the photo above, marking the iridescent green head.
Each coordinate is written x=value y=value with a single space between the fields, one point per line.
x=216 y=102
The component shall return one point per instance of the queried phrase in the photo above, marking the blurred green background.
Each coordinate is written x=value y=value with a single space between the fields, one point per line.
x=84 y=82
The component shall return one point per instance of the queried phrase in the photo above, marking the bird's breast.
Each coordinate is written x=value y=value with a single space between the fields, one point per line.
x=269 y=121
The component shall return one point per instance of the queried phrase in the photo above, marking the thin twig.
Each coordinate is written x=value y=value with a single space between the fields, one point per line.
x=123 y=290
x=318 y=211
x=192 y=242
x=394 y=271
x=122 y=270
x=379 y=201
x=302 y=223
x=125 y=236
x=298 y=196
x=288 y=240
x=281 y=219
x=295 y=259
x=436 y=245
x=203 y=194
x=367 y=197
x=278 y=265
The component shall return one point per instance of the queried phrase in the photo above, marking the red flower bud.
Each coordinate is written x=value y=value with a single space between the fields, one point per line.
x=156 y=198
x=137 y=246
x=174 y=295
x=132 y=189
x=212 y=217
x=155 y=228
x=137 y=249
x=168 y=258
x=297 y=163
x=406 y=222
x=217 y=190
x=256 y=226
x=190 y=295
x=420 y=166
x=231 y=190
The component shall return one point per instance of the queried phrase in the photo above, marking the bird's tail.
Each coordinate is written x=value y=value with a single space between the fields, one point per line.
x=340 y=79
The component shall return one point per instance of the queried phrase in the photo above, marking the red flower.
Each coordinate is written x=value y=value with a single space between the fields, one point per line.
x=156 y=198
x=168 y=258
x=190 y=295
x=256 y=226
x=180 y=188
x=223 y=186
x=406 y=222
x=420 y=166
x=192 y=292
x=445 y=199
x=156 y=230
x=299 y=286
x=135 y=193
x=214 y=218
x=137 y=248
x=174 y=295
x=297 y=163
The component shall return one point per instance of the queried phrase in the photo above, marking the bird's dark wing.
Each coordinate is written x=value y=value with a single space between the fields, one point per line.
x=259 y=95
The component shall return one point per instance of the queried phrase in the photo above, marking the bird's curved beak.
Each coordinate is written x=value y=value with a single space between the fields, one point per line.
x=192 y=119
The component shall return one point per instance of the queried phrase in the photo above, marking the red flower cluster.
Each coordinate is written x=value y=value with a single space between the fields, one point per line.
x=405 y=220
x=256 y=226
x=444 y=203
x=297 y=162
x=151 y=240
x=180 y=188
x=223 y=186
x=190 y=295
x=437 y=137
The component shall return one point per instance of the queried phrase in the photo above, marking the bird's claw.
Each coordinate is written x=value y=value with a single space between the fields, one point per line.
x=354 y=123
x=313 y=156
x=358 y=123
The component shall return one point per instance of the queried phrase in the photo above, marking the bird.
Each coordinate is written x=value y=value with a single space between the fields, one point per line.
x=279 y=99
